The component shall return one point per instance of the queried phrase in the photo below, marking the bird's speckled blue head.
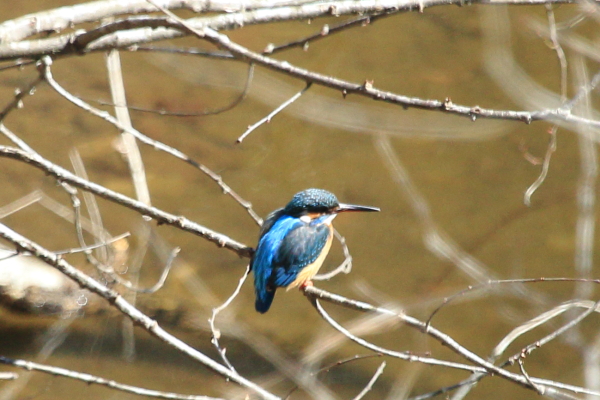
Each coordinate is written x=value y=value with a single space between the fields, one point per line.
x=311 y=200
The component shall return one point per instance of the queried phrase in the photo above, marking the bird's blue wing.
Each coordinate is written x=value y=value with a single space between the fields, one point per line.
x=263 y=260
x=270 y=221
x=299 y=248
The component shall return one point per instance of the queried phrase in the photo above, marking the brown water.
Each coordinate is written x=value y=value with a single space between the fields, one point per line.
x=434 y=176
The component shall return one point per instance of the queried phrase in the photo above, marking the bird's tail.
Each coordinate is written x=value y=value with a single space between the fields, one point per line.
x=264 y=298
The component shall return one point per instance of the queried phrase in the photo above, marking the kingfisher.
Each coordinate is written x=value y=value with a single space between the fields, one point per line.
x=293 y=243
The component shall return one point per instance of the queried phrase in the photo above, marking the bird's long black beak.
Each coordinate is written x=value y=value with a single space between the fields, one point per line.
x=354 y=208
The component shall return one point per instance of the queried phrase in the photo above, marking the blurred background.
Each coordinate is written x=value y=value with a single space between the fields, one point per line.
x=451 y=193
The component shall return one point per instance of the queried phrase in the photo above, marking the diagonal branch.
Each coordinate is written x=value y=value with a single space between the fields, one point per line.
x=114 y=298
x=314 y=294
x=47 y=73
x=160 y=216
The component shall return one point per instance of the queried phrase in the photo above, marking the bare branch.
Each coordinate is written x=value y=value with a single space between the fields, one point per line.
x=369 y=386
x=276 y=111
x=344 y=268
x=323 y=33
x=63 y=18
x=104 y=40
x=160 y=216
x=127 y=309
x=316 y=294
x=216 y=333
x=96 y=380
x=146 y=140
x=408 y=356
x=20 y=94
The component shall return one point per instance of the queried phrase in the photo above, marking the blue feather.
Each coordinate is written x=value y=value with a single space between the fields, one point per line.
x=262 y=262
x=284 y=249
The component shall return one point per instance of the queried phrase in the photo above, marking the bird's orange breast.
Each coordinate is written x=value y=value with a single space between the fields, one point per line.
x=308 y=272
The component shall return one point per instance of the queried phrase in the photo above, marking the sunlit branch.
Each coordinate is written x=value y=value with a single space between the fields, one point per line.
x=96 y=380
x=160 y=216
x=276 y=111
x=47 y=62
x=324 y=32
x=369 y=386
x=407 y=356
x=216 y=333
x=16 y=30
x=139 y=318
x=316 y=294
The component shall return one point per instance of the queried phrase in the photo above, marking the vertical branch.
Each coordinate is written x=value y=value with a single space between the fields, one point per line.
x=586 y=193
x=216 y=333
x=562 y=59
x=136 y=166
x=131 y=149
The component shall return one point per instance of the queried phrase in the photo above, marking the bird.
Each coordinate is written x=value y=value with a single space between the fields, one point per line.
x=294 y=242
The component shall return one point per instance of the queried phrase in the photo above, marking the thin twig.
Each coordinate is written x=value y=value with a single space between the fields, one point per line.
x=545 y=167
x=268 y=118
x=518 y=332
x=562 y=59
x=93 y=210
x=94 y=246
x=192 y=51
x=540 y=342
x=325 y=32
x=216 y=333
x=201 y=35
x=161 y=280
x=538 y=388
x=20 y=94
x=216 y=111
x=344 y=268
x=18 y=64
x=369 y=386
x=38 y=196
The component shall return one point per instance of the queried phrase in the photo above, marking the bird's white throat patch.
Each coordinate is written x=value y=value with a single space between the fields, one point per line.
x=306 y=219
